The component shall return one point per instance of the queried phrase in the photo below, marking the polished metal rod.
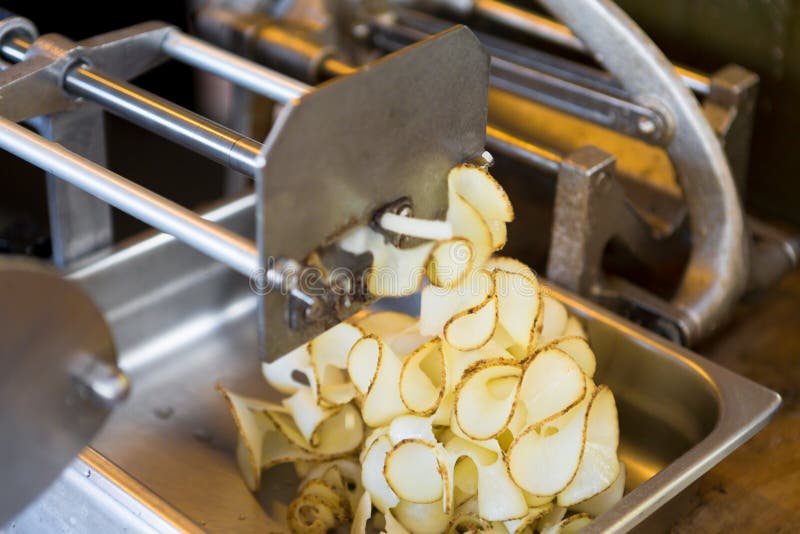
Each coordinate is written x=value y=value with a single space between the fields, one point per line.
x=511 y=146
x=232 y=67
x=211 y=239
x=554 y=32
x=158 y=115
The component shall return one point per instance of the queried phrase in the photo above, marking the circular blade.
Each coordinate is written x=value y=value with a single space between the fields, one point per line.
x=49 y=330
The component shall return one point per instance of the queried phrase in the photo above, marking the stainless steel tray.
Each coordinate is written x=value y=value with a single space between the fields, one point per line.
x=183 y=323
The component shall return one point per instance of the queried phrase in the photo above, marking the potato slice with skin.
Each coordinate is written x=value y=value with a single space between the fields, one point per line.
x=554 y=320
x=411 y=427
x=382 y=402
x=479 y=189
x=603 y=501
x=510 y=265
x=481 y=413
x=394 y=271
x=469 y=224
x=423 y=378
x=413 y=471
x=280 y=374
x=307 y=413
x=499 y=232
x=362 y=514
x=339 y=435
x=575 y=328
x=599 y=466
x=498 y=498
x=328 y=356
x=261 y=444
x=459 y=361
x=419 y=518
x=312 y=514
x=552 y=518
x=450 y=262
x=384 y=324
x=569 y=525
x=438 y=305
x=552 y=383
x=527 y=523
x=543 y=462
x=517 y=305
x=579 y=350
x=398 y=272
x=372 y=466
x=471 y=329
x=393 y=526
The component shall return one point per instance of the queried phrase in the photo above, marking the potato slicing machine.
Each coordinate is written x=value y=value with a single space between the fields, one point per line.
x=321 y=134
x=128 y=342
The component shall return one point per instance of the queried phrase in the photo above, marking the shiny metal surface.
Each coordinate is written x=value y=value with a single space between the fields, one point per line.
x=53 y=64
x=245 y=73
x=168 y=120
x=717 y=272
x=679 y=413
x=80 y=224
x=33 y=87
x=359 y=142
x=224 y=246
x=565 y=85
x=48 y=326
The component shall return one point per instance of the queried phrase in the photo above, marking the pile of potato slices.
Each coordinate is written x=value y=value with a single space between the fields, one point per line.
x=480 y=415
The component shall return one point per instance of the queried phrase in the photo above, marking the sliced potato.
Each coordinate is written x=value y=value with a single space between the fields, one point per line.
x=290 y=372
x=413 y=471
x=552 y=383
x=518 y=305
x=438 y=305
x=575 y=328
x=527 y=523
x=579 y=350
x=554 y=320
x=483 y=411
x=450 y=262
x=569 y=525
x=422 y=518
x=510 y=265
x=423 y=378
x=469 y=224
x=384 y=324
x=599 y=466
x=382 y=401
x=373 y=462
x=543 y=461
x=477 y=187
x=471 y=329
x=607 y=498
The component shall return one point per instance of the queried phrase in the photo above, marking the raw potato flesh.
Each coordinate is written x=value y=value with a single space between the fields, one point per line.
x=481 y=415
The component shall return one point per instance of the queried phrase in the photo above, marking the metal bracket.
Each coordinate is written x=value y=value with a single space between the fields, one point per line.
x=80 y=224
x=730 y=110
x=33 y=87
x=591 y=209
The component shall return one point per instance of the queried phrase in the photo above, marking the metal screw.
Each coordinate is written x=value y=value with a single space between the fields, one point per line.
x=646 y=126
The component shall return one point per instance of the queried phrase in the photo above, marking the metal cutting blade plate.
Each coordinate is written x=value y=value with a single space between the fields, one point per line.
x=356 y=143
